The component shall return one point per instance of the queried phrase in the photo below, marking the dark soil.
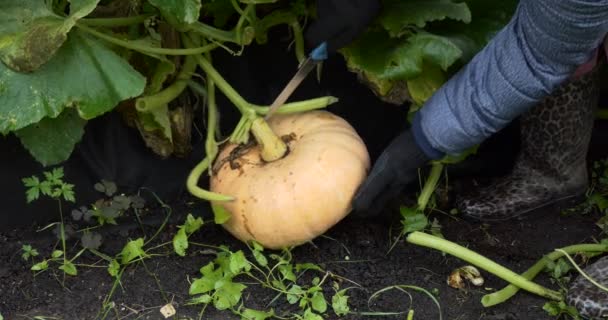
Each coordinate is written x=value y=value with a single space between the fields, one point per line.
x=354 y=249
x=516 y=245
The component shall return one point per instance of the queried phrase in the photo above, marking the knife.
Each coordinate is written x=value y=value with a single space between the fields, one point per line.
x=316 y=56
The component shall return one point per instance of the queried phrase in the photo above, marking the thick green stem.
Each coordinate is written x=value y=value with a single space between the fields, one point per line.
x=298 y=37
x=147 y=49
x=195 y=190
x=245 y=107
x=211 y=150
x=241 y=132
x=210 y=144
x=115 y=22
x=430 y=185
x=242 y=38
x=299 y=106
x=221 y=83
x=427 y=240
x=273 y=148
x=159 y=99
x=237 y=8
x=248 y=32
x=507 y=292
x=602 y=114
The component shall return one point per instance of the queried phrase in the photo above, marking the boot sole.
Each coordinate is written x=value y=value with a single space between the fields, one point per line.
x=557 y=204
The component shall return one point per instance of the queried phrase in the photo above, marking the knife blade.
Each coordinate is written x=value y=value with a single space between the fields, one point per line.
x=317 y=55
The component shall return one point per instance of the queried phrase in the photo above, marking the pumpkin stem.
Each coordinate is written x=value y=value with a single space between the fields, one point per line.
x=430 y=241
x=273 y=148
x=211 y=148
x=430 y=185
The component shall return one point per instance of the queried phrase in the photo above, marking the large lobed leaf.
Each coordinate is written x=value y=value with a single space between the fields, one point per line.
x=413 y=44
x=32 y=33
x=179 y=11
x=83 y=75
x=384 y=60
x=52 y=140
x=397 y=15
x=489 y=17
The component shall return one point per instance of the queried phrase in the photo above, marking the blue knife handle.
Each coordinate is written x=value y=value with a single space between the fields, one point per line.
x=320 y=52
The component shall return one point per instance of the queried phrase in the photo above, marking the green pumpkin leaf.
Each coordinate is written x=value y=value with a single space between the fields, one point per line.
x=487 y=19
x=383 y=60
x=52 y=140
x=32 y=32
x=180 y=11
x=422 y=87
x=397 y=15
x=83 y=74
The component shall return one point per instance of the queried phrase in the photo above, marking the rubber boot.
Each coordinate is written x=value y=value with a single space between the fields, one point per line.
x=551 y=166
x=590 y=301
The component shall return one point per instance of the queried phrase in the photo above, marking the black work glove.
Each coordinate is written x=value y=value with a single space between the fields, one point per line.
x=339 y=22
x=396 y=167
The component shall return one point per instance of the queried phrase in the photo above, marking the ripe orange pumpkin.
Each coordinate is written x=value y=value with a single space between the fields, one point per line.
x=294 y=199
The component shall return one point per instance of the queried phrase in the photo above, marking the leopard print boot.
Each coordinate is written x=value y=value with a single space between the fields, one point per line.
x=591 y=301
x=551 y=166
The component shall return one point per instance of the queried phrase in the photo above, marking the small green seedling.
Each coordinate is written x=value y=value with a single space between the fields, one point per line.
x=560 y=308
x=180 y=240
x=52 y=186
x=219 y=283
x=28 y=252
x=55 y=188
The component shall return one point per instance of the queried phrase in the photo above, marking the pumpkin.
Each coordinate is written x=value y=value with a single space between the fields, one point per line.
x=292 y=200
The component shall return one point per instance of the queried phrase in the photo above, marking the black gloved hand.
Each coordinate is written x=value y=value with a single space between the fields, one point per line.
x=339 y=22
x=396 y=167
